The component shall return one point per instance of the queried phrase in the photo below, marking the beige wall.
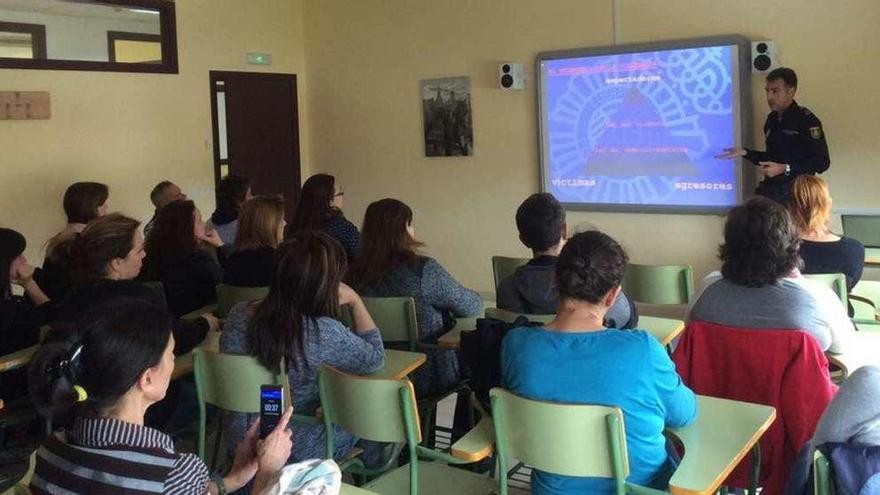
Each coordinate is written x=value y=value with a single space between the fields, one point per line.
x=366 y=59
x=133 y=130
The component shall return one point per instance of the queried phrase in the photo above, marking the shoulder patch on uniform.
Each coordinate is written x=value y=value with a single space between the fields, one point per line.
x=815 y=132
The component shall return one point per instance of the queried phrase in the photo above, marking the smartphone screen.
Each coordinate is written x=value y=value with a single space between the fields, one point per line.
x=271 y=403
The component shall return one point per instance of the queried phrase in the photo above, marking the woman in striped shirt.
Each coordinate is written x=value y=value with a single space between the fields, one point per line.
x=98 y=380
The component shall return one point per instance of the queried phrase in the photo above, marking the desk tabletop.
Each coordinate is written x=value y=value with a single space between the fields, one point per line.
x=863 y=350
x=872 y=256
x=399 y=364
x=18 y=359
x=665 y=330
x=721 y=436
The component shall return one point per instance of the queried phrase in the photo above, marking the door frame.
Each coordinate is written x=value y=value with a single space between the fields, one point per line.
x=218 y=75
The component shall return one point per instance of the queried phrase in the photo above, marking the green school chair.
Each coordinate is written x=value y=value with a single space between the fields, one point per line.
x=659 y=284
x=865 y=299
x=835 y=281
x=565 y=439
x=230 y=295
x=863 y=228
x=503 y=267
x=232 y=383
x=822 y=484
x=384 y=410
x=396 y=319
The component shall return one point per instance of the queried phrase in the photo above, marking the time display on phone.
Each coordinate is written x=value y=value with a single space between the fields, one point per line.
x=271 y=402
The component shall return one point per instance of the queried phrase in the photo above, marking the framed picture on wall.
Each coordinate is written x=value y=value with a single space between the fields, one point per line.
x=446 y=104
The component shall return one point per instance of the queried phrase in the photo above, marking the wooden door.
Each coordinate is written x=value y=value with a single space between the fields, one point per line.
x=257 y=114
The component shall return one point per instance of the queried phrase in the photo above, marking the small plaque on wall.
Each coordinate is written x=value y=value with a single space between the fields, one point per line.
x=24 y=105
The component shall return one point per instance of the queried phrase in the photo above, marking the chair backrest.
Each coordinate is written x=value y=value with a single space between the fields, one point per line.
x=863 y=228
x=835 y=281
x=504 y=266
x=822 y=484
x=566 y=439
x=510 y=316
x=158 y=288
x=395 y=317
x=230 y=382
x=659 y=284
x=783 y=368
x=230 y=295
x=377 y=409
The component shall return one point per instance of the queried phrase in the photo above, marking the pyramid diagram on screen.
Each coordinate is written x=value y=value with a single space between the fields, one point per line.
x=636 y=143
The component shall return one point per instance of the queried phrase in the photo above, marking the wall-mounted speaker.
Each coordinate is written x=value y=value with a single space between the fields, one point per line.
x=511 y=76
x=764 y=58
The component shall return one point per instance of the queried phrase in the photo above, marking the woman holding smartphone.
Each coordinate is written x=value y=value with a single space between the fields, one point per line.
x=97 y=380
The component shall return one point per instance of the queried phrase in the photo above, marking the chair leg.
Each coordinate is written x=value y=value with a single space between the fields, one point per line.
x=217 y=441
x=756 y=469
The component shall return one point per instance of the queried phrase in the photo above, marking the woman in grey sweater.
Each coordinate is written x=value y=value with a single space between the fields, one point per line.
x=296 y=324
x=389 y=265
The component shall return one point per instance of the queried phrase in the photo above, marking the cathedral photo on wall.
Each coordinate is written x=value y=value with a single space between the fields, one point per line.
x=448 y=122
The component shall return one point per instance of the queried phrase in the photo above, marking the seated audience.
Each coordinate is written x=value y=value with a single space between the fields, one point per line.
x=108 y=257
x=232 y=192
x=390 y=265
x=760 y=285
x=852 y=417
x=540 y=220
x=821 y=250
x=576 y=359
x=97 y=381
x=178 y=257
x=260 y=230
x=20 y=317
x=297 y=326
x=83 y=202
x=320 y=208
x=165 y=192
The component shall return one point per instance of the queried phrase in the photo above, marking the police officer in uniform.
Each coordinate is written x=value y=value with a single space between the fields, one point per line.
x=794 y=138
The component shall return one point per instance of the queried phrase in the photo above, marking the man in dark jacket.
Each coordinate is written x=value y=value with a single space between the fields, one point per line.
x=794 y=138
x=540 y=220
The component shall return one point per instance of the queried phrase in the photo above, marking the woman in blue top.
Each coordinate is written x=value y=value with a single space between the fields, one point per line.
x=575 y=359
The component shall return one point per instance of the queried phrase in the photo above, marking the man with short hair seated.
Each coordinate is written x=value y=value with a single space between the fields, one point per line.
x=532 y=289
x=165 y=192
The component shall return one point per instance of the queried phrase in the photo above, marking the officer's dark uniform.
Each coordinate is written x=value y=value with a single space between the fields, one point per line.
x=797 y=139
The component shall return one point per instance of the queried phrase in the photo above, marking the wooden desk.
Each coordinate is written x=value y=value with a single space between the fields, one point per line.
x=722 y=435
x=872 y=257
x=18 y=359
x=863 y=350
x=665 y=330
x=399 y=364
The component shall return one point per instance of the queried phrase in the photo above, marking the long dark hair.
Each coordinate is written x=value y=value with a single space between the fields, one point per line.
x=308 y=270
x=231 y=193
x=313 y=209
x=82 y=199
x=761 y=243
x=385 y=243
x=105 y=353
x=102 y=241
x=11 y=251
x=81 y=203
x=172 y=237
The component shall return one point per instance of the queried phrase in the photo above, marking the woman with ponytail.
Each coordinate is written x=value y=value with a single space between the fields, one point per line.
x=97 y=379
x=107 y=257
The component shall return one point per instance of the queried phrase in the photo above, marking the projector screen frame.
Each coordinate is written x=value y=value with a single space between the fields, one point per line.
x=745 y=173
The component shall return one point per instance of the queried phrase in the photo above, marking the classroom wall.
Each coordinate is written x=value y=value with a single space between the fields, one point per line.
x=133 y=130
x=366 y=59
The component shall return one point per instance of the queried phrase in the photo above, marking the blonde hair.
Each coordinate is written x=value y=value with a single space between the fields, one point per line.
x=258 y=223
x=810 y=203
